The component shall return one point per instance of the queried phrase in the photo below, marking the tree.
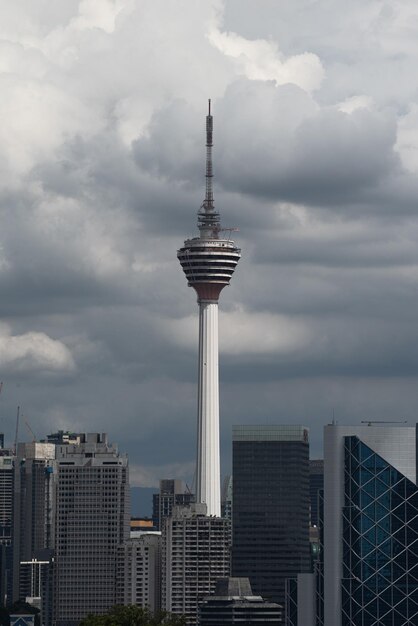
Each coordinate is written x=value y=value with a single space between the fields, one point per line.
x=20 y=607
x=133 y=615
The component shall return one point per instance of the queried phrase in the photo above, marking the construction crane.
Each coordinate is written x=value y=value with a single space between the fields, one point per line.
x=17 y=429
x=370 y=422
x=31 y=431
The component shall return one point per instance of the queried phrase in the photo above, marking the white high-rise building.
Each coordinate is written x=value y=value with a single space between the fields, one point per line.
x=208 y=262
x=195 y=554
x=138 y=576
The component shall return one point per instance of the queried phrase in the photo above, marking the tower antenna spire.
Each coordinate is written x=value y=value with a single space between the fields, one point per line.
x=208 y=202
x=208 y=218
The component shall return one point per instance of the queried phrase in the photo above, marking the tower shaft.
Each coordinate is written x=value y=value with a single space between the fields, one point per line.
x=207 y=469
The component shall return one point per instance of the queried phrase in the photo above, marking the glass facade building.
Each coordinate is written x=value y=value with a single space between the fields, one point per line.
x=380 y=541
x=270 y=522
x=367 y=571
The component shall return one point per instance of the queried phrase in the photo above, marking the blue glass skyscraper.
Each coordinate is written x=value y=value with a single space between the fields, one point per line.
x=367 y=574
x=380 y=541
x=370 y=526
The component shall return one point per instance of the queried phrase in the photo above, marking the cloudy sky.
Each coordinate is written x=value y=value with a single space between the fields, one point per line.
x=102 y=110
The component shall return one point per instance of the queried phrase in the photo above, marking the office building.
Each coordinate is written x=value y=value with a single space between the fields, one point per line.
x=35 y=489
x=370 y=525
x=138 y=577
x=172 y=493
x=233 y=602
x=208 y=262
x=270 y=522
x=195 y=554
x=316 y=483
x=92 y=520
x=368 y=570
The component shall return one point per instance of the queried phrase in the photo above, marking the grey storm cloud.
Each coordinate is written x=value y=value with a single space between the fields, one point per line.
x=102 y=173
x=277 y=143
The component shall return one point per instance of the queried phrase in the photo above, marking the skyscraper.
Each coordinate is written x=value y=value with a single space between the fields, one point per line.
x=208 y=262
x=270 y=521
x=368 y=568
x=370 y=525
x=35 y=490
x=35 y=522
x=8 y=530
x=92 y=520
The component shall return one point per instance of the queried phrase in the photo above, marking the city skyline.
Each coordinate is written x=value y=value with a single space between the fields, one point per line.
x=101 y=172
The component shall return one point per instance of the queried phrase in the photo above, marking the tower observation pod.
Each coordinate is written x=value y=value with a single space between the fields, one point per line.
x=208 y=262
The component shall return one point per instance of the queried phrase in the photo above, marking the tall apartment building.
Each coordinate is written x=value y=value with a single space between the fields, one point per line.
x=138 y=575
x=92 y=520
x=172 y=493
x=8 y=544
x=195 y=554
x=368 y=570
x=270 y=522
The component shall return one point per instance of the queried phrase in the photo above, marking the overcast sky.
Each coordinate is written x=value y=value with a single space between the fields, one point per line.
x=102 y=110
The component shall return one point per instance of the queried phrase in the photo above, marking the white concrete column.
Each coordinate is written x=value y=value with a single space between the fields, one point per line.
x=208 y=471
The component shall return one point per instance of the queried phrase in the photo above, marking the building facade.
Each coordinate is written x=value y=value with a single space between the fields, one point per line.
x=233 y=602
x=270 y=522
x=92 y=520
x=172 y=493
x=368 y=569
x=226 y=498
x=370 y=526
x=195 y=554
x=316 y=483
x=8 y=531
x=138 y=575
x=35 y=488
